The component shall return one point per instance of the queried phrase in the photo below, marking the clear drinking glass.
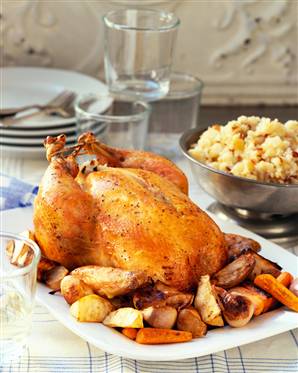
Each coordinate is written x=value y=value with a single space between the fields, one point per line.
x=123 y=125
x=139 y=46
x=17 y=292
x=176 y=112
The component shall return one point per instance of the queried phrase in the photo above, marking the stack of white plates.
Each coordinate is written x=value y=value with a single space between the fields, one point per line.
x=26 y=86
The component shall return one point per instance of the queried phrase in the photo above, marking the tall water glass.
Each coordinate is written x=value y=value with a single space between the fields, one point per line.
x=139 y=46
x=17 y=291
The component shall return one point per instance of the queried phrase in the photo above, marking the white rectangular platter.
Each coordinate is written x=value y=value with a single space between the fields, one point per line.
x=113 y=342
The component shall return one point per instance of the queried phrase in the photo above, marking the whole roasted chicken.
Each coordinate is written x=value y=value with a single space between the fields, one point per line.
x=123 y=209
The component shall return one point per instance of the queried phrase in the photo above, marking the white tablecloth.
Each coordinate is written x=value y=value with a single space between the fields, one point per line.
x=53 y=348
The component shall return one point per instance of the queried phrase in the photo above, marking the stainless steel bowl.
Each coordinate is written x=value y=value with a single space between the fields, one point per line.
x=247 y=197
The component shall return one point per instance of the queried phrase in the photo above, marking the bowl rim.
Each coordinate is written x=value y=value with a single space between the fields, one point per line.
x=182 y=143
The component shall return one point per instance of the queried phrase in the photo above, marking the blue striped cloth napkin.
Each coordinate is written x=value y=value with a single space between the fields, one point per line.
x=54 y=349
x=15 y=193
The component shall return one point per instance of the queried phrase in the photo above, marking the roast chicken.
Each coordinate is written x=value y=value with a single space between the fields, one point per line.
x=123 y=209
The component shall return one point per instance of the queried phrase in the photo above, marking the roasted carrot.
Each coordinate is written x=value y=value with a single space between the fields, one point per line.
x=277 y=290
x=130 y=333
x=284 y=278
x=154 y=336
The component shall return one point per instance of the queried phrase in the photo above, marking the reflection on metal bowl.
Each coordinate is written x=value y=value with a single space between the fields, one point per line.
x=268 y=209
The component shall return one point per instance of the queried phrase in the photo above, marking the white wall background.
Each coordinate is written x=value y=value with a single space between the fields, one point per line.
x=246 y=51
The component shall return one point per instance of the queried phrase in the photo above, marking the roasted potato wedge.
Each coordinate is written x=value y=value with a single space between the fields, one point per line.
x=110 y=282
x=72 y=289
x=263 y=265
x=237 y=309
x=235 y=272
x=54 y=276
x=189 y=320
x=91 y=308
x=160 y=317
x=238 y=245
x=206 y=304
x=125 y=318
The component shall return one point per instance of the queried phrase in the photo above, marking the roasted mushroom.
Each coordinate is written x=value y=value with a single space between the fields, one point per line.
x=160 y=317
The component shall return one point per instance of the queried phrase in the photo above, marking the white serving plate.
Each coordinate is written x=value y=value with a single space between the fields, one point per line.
x=113 y=342
x=30 y=85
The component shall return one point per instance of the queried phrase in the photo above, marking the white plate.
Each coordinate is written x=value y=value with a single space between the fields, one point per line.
x=30 y=151
x=31 y=85
x=42 y=132
x=113 y=342
x=38 y=140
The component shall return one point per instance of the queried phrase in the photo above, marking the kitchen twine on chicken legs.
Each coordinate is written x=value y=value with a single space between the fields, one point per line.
x=53 y=348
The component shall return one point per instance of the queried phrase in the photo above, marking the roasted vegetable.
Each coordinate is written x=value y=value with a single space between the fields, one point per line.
x=260 y=299
x=160 y=336
x=110 y=282
x=237 y=309
x=189 y=320
x=54 y=276
x=238 y=245
x=91 y=308
x=125 y=318
x=130 y=333
x=160 y=317
x=43 y=267
x=206 y=304
x=161 y=295
x=235 y=272
x=277 y=290
x=72 y=289
x=285 y=279
x=263 y=265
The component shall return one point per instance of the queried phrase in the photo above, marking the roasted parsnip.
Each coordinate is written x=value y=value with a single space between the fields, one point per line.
x=206 y=304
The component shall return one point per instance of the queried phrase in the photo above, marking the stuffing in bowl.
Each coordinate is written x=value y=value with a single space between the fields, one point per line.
x=252 y=147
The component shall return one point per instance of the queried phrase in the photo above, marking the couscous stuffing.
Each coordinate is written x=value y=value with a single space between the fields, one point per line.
x=256 y=148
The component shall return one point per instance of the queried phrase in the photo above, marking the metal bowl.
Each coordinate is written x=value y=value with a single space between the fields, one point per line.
x=246 y=196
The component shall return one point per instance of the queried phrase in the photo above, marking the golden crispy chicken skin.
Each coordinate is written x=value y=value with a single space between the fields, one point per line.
x=124 y=217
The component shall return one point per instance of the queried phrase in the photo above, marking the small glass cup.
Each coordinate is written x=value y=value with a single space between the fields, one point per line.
x=139 y=47
x=124 y=124
x=17 y=292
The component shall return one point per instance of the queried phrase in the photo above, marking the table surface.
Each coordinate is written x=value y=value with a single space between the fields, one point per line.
x=53 y=348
